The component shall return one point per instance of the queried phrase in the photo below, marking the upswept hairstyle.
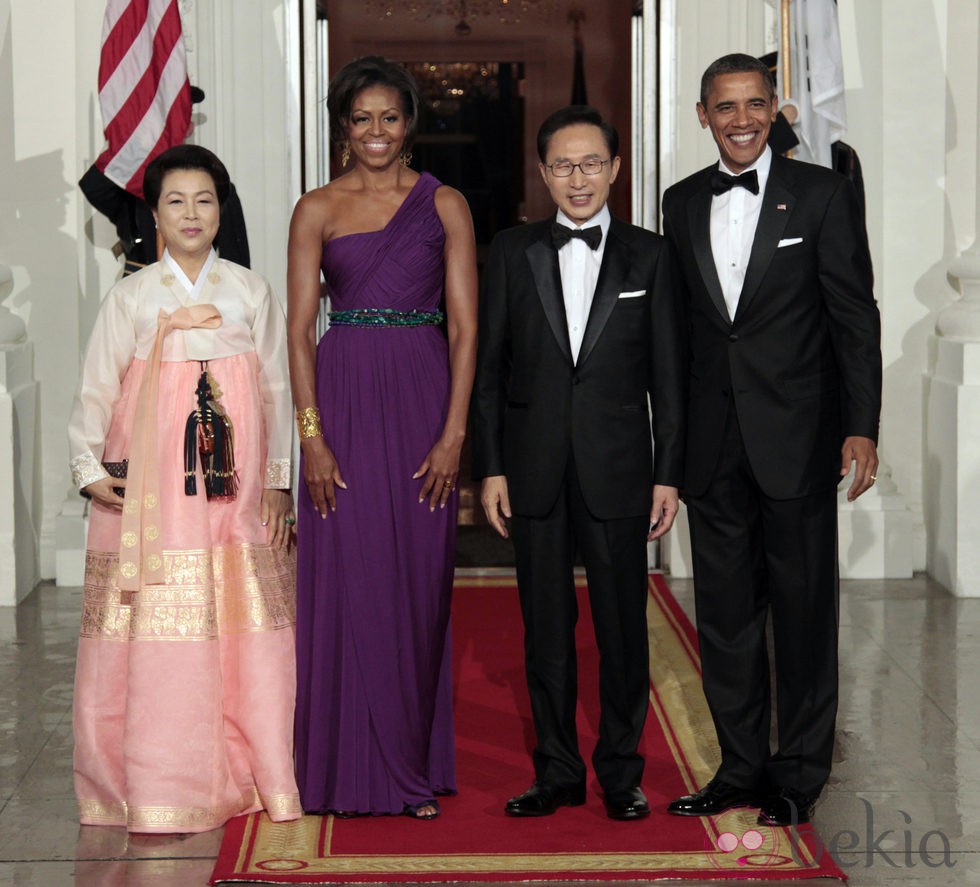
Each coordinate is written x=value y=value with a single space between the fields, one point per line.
x=358 y=75
x=571 y=116
x=184 y=157
x=736 y=63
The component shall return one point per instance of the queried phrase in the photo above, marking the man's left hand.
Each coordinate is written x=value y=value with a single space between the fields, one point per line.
x=863 y=453
x=663 y=512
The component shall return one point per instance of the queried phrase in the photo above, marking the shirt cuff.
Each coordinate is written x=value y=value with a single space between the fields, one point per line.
x=277 y=474
x=85 y=470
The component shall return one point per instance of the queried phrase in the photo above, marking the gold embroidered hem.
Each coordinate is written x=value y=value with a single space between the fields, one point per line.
x=283 y=807
x=165 y=819
x=230 y=589
x=101 y=812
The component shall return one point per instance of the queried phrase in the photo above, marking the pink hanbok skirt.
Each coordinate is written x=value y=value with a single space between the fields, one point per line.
x=184 y=699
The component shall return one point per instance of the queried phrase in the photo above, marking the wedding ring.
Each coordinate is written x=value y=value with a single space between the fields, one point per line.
x=448 y=484
x=290 y=521
x=874 y=477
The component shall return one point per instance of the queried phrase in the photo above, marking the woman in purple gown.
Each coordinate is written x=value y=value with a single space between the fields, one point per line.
x=381 y=407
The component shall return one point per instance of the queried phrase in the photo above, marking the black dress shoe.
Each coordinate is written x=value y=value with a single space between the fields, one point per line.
x=788 y=806
x=629 y=804
x=716 y=797
x=542 y=799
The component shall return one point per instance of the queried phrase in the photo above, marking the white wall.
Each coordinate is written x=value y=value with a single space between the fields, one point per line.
x=912 y=115
x=239 y=54
x=42 y=53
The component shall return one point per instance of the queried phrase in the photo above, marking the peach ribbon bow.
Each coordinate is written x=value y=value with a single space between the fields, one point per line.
x=140 y=545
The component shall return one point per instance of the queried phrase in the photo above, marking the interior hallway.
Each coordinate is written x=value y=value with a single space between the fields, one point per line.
x=908 y=749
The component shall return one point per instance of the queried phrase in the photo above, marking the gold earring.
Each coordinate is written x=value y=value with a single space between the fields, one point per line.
x=405 y=157
x=345 y=154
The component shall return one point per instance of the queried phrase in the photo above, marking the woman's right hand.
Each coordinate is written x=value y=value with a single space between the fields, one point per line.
x=102 y=492
x=321 y=473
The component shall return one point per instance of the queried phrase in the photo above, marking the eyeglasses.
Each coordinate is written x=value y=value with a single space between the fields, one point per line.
x=564 y=168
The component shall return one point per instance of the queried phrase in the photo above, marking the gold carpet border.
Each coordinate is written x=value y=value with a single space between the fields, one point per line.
x=676 y=695
x=293 y=847
x=233 y=589
x=690 y=646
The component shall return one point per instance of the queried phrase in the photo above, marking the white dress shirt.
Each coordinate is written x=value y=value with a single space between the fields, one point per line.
x=734 y=218
x=579 y=268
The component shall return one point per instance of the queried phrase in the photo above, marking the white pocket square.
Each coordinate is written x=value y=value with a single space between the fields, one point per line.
x=789 y=241
x=633 y=295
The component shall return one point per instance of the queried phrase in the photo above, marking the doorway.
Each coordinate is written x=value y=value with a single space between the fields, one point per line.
x=485 y=93
x=471 y=127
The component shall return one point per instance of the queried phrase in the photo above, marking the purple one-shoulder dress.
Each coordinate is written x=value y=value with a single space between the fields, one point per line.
x=374 y=729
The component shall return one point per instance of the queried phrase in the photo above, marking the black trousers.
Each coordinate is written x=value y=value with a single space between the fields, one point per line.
x=754 y=555
x=614 y=554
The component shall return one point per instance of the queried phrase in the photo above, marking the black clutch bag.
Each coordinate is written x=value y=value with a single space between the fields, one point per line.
x=115 y=469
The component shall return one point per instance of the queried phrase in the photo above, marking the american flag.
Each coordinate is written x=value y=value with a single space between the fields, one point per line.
x=144 y=92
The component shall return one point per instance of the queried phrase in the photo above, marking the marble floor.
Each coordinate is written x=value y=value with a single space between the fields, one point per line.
x=903 y=806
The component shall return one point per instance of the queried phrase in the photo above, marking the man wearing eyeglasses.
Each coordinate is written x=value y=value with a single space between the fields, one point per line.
x=579 y=329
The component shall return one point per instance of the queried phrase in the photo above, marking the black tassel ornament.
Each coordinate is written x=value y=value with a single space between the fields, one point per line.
x=209 y=432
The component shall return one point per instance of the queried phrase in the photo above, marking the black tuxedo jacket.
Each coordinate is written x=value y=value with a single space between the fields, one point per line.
x=801 y=362
x=533 y=407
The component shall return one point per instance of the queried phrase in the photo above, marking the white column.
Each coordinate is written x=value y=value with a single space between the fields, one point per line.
x=874 y=533
x=952 y=392
x=951 y=471
x=244 y=57
x=19 y=490
x=877 y=533
x=952 y=453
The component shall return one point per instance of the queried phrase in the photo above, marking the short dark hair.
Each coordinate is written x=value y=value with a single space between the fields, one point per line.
x=184 y=157
x=571 y=116
x=737 y=63
x=356 y=76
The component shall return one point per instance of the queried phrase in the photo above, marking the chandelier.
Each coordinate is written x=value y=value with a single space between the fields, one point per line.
x=445 y=86
x=505 y=11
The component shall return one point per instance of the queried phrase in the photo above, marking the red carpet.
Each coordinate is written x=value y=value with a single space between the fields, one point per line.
x=474 y=841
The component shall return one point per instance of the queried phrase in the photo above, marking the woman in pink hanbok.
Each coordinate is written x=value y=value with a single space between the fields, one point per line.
x=185 y=679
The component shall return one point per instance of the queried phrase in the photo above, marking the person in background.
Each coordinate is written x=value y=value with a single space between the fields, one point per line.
x=785 y=397
x=180 y=433
x=381 y=406
x=133 y=218
x=782 y=139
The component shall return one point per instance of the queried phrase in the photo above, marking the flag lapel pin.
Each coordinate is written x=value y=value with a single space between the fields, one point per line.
x=781 y=206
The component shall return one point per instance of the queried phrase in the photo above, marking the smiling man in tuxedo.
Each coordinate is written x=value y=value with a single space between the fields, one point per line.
x=579 y=327
x=785 y=395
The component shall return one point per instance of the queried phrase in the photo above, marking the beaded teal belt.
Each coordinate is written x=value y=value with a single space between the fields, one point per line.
x=384 y=317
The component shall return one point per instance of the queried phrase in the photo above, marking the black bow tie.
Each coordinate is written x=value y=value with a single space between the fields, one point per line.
x=722 y=181
x=561 y=234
